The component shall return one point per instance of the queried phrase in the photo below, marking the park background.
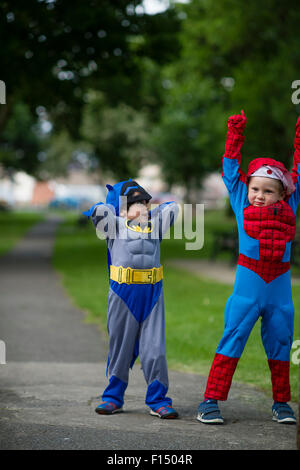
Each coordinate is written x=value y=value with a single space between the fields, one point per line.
x=100 y=91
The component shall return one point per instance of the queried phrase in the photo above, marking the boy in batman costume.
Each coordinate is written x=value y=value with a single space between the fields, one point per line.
x=265 y=202
x=135 y=313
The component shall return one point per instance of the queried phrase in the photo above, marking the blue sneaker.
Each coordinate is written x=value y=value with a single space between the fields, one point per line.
x=165 y=412
x=283 y=413
x=209 y=413
x=107 y=408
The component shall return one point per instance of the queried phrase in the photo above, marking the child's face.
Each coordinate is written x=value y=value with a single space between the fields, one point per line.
x=264 y=191
x=138 y=211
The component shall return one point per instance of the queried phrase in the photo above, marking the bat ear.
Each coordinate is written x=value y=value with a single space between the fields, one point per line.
x=109 y=187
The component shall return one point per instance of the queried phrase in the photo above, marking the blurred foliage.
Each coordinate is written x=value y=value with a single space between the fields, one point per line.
x=234 y=56
x=117 y=135
x=129 y=87
x=60 y=152
x=20 y=140
x=55 y=51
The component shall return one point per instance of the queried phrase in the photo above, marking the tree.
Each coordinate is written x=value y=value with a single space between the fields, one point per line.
x=183 y=140
x=116 y=136
x=233 y=56
x=21 y=141
x=56 y=51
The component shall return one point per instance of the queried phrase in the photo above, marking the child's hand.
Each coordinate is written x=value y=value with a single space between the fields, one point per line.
x=237 y=122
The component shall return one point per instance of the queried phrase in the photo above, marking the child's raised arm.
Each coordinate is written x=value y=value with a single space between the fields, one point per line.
x=234 y=178
x=295 y=197
x=165 y=215
x=234 y=141
x=104 y=219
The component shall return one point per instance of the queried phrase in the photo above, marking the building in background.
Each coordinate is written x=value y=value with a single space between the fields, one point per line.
x=43 y=193
x=17 y=189
x=21 y=190
x=79 y=190
x=213 y=193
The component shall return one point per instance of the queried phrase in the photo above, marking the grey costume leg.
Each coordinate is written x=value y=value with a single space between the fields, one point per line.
x=152 y=352
x=123 y=330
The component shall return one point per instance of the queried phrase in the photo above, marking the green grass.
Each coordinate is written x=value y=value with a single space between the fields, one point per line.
x=194 y=306
x=14 y=225
x=214 y=222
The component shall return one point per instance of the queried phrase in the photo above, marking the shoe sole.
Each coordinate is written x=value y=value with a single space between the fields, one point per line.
x=210 y=421
x=285 y=420
x=169 y=416
x=105 y=412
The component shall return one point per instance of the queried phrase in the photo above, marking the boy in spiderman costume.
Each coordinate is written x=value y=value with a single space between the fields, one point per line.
x=264 y=201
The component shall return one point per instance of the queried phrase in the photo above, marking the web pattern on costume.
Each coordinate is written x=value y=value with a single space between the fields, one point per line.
x=220 y=377
x=280 y=379
x=273 y=226
x=234 y=143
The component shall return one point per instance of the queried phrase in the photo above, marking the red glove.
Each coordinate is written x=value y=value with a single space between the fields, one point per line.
x=295 y=173
x=298 y=127
x=237 y=123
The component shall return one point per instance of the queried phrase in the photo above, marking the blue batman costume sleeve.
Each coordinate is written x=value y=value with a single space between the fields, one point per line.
x=135 y=313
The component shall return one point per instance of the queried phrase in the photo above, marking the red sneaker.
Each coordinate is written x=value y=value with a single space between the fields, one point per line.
x=107 y=408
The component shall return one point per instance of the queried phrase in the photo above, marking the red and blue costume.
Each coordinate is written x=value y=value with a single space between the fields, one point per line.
x=263 y=283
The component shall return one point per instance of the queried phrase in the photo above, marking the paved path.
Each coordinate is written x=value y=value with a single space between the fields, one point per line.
x=55 y=372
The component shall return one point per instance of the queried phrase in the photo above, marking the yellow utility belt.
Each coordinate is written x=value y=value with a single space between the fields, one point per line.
x=136 y=276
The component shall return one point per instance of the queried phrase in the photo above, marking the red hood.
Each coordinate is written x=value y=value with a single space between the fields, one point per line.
x=258 y=162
